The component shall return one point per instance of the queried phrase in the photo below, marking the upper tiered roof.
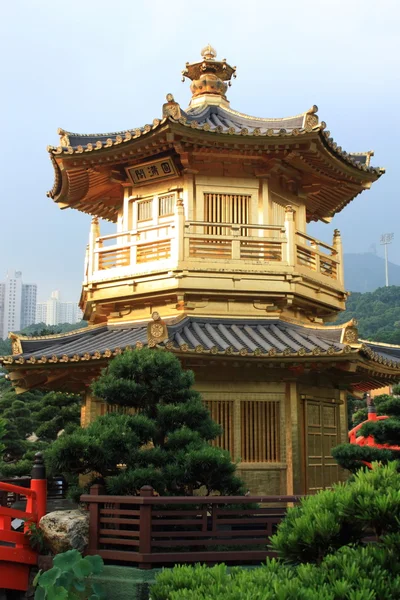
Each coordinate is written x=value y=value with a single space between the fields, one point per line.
x=90 y=168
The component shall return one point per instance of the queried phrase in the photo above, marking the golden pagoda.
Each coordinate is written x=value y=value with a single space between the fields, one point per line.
x=211 y=260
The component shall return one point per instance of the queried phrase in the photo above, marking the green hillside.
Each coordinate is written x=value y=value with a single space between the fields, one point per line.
x=377 y=313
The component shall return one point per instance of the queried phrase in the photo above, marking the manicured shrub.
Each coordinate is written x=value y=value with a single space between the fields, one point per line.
x=370 y=503
x=352 y=573
x=321 y=548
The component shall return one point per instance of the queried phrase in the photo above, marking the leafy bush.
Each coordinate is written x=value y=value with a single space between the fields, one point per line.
x=69 y=578
x=344 y=515
x=316 y=527
x=36 y=538
x=362 y=573
x=321 y=551
x=386 y=431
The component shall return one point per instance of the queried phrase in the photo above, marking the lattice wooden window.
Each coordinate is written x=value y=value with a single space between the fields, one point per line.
x=260 y=427
x=226 y=208
x=222 y=413
x=166 y=205
x=145 y=210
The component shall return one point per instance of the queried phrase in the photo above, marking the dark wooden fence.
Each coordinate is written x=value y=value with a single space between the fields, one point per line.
x=150 y=531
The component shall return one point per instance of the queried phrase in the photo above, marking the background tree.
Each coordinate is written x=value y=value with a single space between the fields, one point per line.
x=38 y=329
x=28 y=416
x=3 y=432
x=55 y=412
x=377 y=313
x=164 y=442
x=356 y=410
x=387 y=431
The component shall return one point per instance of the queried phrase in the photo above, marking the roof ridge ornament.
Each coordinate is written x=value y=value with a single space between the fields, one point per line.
x=311 y=118
x=171 y=108
x=210 y=78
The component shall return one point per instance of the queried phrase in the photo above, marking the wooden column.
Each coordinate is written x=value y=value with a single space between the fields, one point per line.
x=344 y=425
x=337 y=244
x=178 y=243
x=93 y=235
x=189 y=197
x=94 y=520
x=294 y=437
x=290 y=236
x=91 y=409
x=264 y=204
x=145 y=526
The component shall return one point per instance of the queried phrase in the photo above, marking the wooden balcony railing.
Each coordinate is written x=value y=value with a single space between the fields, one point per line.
x=316 y=256
x=230 y=241
x=181 y=242
x=146 y=245
x=151 y=531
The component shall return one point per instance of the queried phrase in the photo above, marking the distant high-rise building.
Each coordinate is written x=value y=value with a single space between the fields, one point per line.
x=55 y=312
x=28 y=304
x=17 y=303
x=41 y=312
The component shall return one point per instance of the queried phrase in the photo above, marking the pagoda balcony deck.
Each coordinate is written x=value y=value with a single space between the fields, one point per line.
x=194 y=245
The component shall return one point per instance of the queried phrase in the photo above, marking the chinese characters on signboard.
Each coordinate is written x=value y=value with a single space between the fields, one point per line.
x=158 y=169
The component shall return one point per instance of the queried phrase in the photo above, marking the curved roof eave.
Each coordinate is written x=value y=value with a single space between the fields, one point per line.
x=220 y=120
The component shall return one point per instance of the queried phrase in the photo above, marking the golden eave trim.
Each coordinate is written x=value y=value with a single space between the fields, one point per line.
x=379 y=344
x=243 y=352
x=54 y=336
x=378 y=358
x=129 y=135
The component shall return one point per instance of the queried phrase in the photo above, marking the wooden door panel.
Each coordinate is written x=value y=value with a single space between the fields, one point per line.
x=321 y=435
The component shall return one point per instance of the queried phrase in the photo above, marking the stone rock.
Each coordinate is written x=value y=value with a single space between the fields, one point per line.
x=66 y=530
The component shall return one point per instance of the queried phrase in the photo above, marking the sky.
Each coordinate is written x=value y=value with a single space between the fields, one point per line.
x=98 y=66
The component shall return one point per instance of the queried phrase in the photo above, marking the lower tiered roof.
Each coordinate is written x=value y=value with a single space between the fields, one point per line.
x=192 y=334
x=64 y=361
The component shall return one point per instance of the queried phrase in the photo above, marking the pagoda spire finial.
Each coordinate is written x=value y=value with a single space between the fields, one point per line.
x=210 y=78
x=208 y=52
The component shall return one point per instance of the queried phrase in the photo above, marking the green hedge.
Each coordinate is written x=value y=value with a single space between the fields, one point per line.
x=321 y=551
x=352 y=573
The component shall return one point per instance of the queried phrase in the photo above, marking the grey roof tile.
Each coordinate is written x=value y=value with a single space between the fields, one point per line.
x=263 y=335
x=212 y=331
x=292 y=345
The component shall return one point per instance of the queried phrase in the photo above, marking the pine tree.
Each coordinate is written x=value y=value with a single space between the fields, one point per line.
x=385 y=432
x=162 y=439
x=3 y=432
x=34 y=412
x=56 y=411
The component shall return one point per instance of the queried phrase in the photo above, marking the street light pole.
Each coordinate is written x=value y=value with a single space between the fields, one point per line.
x=386 y=238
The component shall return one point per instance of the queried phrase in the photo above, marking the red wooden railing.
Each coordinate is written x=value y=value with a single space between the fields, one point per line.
x=149 y=530
x=16 y=555
x=56 y=490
